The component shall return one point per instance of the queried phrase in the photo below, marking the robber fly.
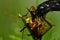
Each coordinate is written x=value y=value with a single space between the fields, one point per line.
x=45 y=7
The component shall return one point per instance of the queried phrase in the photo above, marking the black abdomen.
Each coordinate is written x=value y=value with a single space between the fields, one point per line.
x=47 y=6
x=43 y=8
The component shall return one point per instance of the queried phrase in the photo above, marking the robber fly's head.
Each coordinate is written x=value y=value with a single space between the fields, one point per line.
x=32 y=12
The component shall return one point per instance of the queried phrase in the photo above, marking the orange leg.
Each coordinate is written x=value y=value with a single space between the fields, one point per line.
x=42 y=23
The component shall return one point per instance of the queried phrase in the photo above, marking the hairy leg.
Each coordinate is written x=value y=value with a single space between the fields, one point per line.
x=46 y=21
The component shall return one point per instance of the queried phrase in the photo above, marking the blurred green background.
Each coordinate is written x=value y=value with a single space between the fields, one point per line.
x=9 y=26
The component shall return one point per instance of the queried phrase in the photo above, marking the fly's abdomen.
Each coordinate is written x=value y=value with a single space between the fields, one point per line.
x=55 y=6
